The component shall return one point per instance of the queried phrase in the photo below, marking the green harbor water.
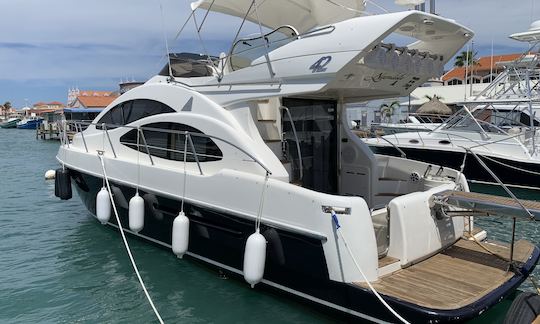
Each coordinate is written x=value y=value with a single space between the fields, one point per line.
x=59 y=265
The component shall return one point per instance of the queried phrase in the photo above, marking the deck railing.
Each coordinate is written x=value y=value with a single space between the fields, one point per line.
x=77 y=127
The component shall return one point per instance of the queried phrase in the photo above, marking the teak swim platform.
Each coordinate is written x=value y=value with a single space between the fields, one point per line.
x=459 y=276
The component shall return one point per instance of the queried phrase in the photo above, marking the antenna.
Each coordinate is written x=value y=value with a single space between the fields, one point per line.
x=166 y=42
x=532 y=11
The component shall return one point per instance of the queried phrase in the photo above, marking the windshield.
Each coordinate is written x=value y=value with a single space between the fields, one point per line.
x=489 y=119
x=246 y=50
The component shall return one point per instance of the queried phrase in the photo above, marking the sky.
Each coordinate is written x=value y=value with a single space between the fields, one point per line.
x=48 y=47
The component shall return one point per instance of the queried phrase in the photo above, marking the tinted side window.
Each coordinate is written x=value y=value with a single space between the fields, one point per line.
x=131 y=111
x=112 y=117
x=166 y=140
x=142 y=108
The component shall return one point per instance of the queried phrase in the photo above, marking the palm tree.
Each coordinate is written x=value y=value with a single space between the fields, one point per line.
x=6 y=107
x=435 y=96
x=466 y=58
x=387 y=110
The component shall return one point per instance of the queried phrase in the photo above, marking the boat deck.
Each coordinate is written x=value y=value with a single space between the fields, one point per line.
x=454 y=278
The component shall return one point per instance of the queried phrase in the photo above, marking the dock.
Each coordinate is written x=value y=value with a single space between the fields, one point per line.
x=48 y=131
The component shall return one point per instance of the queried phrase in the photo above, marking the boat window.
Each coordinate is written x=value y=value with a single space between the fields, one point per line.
x=246 y=50
x=413 y=141
x=455 y=82
x=132 y=110
x=488 y=119
x=167 y=140
x=445 y=142
x=188 y=65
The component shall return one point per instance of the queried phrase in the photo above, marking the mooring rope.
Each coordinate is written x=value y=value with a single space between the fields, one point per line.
x=510 y=166
x=261 y=205
x=338 y=230
x=106 y=179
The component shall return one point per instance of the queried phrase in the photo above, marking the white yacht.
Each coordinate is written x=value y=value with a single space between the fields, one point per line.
x=499 y=125
x=255 y=142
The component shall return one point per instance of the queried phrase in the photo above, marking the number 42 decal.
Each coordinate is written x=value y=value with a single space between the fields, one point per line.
x=320 y=65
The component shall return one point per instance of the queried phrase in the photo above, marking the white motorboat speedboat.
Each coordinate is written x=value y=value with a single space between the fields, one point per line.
x=244 y=161
x=413 y=123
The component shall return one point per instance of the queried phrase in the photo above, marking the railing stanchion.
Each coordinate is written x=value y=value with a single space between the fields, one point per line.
x=194 y=152
x=403 y=155
x=145 y=145
x=65 y=140
x=301 y=165
x=66 y=135
x=109 y=139
x=84 y=140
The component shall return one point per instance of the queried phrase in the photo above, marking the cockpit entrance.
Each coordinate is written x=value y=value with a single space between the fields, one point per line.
x=316 y=128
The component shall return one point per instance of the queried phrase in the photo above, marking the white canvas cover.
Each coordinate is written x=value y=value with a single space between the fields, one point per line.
x=301 y=14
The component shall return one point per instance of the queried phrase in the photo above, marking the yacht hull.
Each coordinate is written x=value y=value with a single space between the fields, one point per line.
x=295 y=263
x=510 y=172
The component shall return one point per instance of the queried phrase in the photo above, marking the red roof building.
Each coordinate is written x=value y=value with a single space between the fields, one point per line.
x=485 y=71
x=55 y=105
x=93 y=102
x=90 y=98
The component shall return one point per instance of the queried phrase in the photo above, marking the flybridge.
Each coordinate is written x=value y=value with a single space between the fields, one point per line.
x=327 y=48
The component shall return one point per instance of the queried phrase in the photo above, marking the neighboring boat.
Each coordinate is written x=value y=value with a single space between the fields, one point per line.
x=500 y=126
x=30 y=123
x=10 y=123
x=246 y=162
x=413 y=123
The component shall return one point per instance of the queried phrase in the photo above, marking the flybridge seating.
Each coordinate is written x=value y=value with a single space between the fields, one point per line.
x=244 y=52
x=188 y=65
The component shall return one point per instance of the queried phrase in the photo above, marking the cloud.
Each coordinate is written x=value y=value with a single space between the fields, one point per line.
x=58 y=44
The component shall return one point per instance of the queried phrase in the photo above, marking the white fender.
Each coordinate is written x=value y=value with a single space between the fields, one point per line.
x=103 y=206
x=180 y=235
x=405 y=62
x=416 y=64
x=50 y=175
x=136 y=213
x=380 y=57
x=392 y=60
x=254 y=258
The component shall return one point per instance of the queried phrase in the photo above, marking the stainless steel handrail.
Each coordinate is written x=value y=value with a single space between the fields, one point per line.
x=82 y=135
x=145 y=145
x=195 y=155
x=189 y=153
x=509 y=192
x=179 y=133
x=403 y=155
x=297 y=141
x=109 y=138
